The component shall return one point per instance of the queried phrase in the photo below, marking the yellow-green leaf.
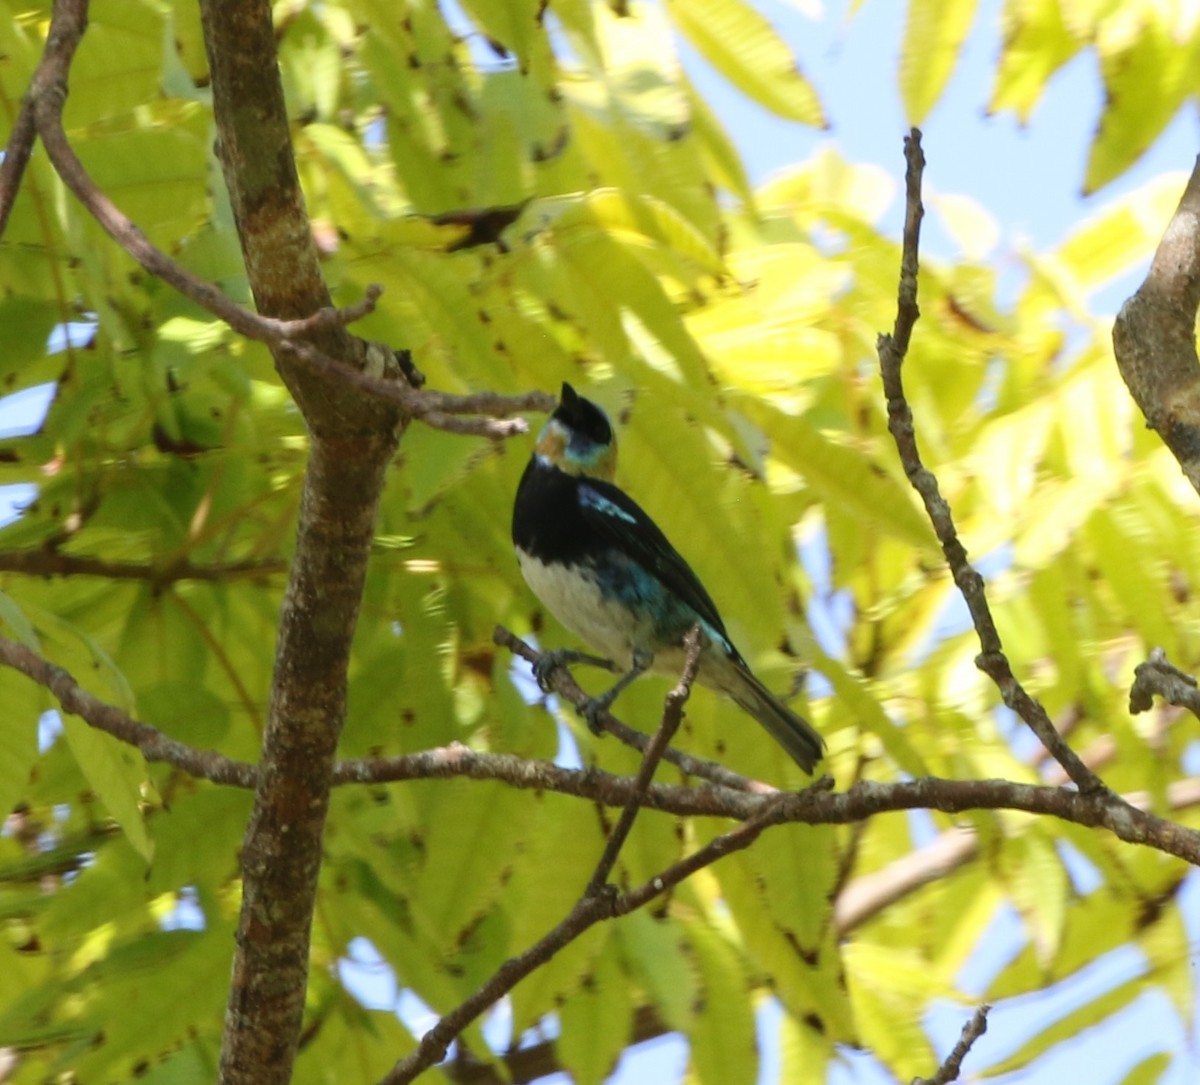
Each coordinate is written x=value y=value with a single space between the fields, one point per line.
x=933 y=38
x=743 y=46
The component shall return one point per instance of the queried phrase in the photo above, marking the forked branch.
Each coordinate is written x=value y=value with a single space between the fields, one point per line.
x=892 y=351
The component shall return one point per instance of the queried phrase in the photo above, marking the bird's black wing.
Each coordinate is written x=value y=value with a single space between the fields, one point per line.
x=619 y=521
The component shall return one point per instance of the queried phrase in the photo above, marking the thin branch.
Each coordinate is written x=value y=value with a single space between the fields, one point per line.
x=432 y=408
x=949 y=1070
x=16 y=158
x=671 y=718
x=564 y=684
x=155 y=746
x=495 y=429
x=591 y=909
x=47 y=96
x=869 y=894
x=892 y=350
x=130 y=238
x=488 y=403
x=45 y=104
x=41 y=562
x=536 y=1061
x=1126 y=818
x=1159 y=676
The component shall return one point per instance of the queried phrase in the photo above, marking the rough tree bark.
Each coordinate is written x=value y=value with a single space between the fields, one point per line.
x=352 y=443
x=1154 y=336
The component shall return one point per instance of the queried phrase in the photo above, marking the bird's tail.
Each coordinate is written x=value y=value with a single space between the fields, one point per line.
x=794 y=733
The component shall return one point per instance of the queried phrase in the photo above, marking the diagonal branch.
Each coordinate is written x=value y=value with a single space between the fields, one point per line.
x=16 y=158
x=42 y=109
x=155 y=746
x=892 y=350
x=439 y=410
x=671 y=718
x=562 y=682
x=950 y=1069
x=591 y=909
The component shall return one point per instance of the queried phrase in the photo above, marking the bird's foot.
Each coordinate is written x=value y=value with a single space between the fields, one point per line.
x=594 y=710
x=550 y=661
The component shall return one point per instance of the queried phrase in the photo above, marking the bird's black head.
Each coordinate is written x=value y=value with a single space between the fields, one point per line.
x=579 y=438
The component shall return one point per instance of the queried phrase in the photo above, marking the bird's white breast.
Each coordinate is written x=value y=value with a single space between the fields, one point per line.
x=572 y=595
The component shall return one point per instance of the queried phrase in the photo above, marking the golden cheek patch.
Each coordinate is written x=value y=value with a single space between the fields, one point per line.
x=552 y=444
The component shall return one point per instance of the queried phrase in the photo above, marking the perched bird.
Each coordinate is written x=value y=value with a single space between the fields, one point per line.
x=605 y=570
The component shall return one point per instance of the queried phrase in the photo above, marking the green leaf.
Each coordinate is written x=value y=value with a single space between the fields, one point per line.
x=743 y=46
x=1097 y=924
x=472 y=834
x=1149 y=1071
x=512 y=24
x=806 y=977
x=17 y=623
x=844 y=476
x=798 y=905
x=722 y=1035
x=1071 y=1025
x=1147 y=78
x=117 y=774
x=656 y=954
x=595 y=1022
x=1040 y=889
x=1036 y=43
x=717 y=146
x=154 y=174
x=804 y=1053
x=1120 y=236
x=884 y=982
x=569 y=844
x=145 y=972
x=933 y=37
x=118 y=64
x=24 y=701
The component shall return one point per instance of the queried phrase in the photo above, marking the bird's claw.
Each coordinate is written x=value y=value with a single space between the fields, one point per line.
x=593 y=710
x=551 y=660
x=547 y=663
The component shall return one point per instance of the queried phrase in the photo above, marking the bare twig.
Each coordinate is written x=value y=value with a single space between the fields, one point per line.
x=16 y=158
x=949 y=1069
x=489 y=404
x=1158 y=675
x=565 y=686
x=155 y=746
x=892 y=350
x=41 y=562
x=869 y=894
x=433 y=408
x=671 y=718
